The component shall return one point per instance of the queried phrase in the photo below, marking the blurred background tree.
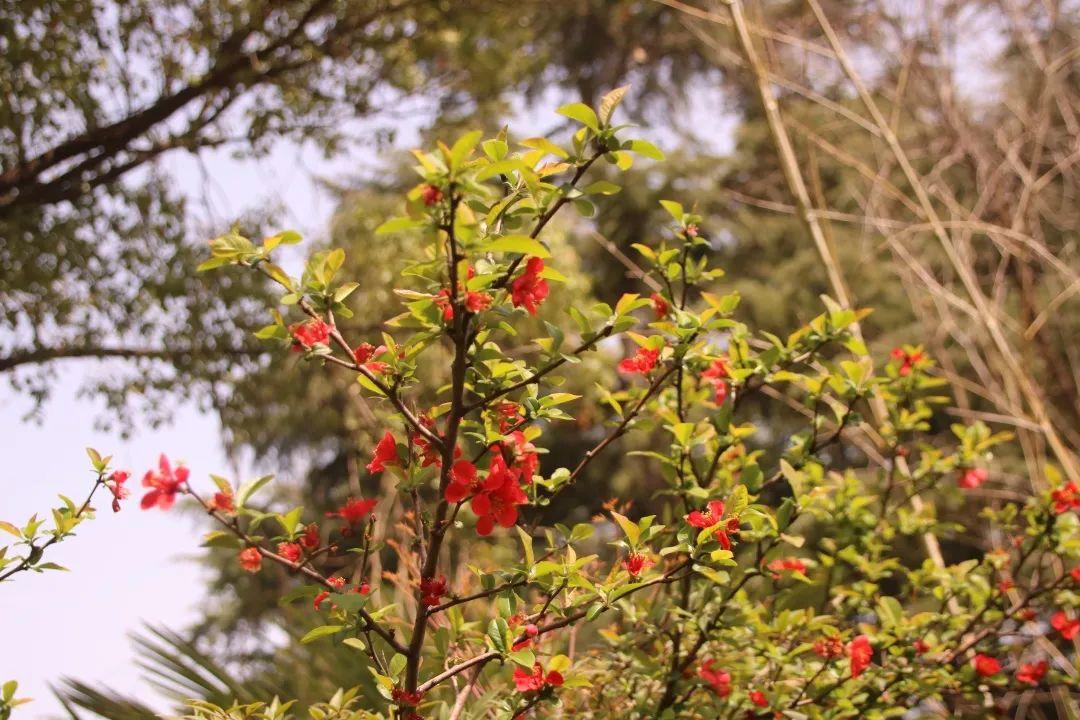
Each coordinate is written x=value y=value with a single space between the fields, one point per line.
x=981 y=98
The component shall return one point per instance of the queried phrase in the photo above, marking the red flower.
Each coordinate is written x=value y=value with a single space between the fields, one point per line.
x=477 y=301
x=1032 y=673
x=908 y=361
x=222 y=502
x=659 y=305
x=643 y=361
x=718 y=680
x=310 y=539
x=829 y=647
x=1068 y=628
x=758 y=698
x=635 y=563
x=406 y=698
x=385 y=454
x=536 y=680
x=509 y=414
x=251 y=559
x=526 y=460
x=860 y=652
x=290 y=551
x=309 y=334
x=717 y=374
x=529 y=289
x=1075 y=572
x=364 y=354
x=789 y=563
x=430 y=195
x=1066 y=498
x=691 y=230
x=432 y=590
x=712 y=515
x=463 y=481
x=498 y=499
x=165 y=483
x=442 y=301
x=921 y=647
x=985 y=665
x=115 y=483
x=354 y=510
x=972 y=478
x=337 y=582
x=1005 y=585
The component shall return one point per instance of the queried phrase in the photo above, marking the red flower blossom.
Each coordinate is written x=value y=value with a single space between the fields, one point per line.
x=477 y=301
x=529 y=289
x=430 y=195
x=1068 y=628
x=758 y=698
x=222 y=502
x=432 y=590
x=463 y=481
x=908 y=361
x=1032 y=673
x=985 y=665
x=498 y=498
x=406 y=698
x=972 y=478
x=385 y=454
x=365 y=354
x=1005 y=585
x=508 y=414
x=712 y=515
x=921 y=648
x=1066 y=498
x=310 y=538
x=691 y=230
x=354 y=510
x=718 y=680
x=526 y=459
x=635 y=563
x=165 y=483
x=115 y=483
x=442 y=301
x=790 y=564
x=717 y=375
x=536 y=680
x=290 y=551
x=310 y=333
x=337 y=582
x=829 y=647
x=859 y=652
x=1075 y=572
x=643 y=361
x=251 y=559
x=660 y=305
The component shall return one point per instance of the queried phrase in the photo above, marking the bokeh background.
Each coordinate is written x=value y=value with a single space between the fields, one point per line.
x=181 y=119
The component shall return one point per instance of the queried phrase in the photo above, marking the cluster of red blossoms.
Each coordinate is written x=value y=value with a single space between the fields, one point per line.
x=115 y=484
x=308 y=334
x=859 y=651
x=528 y=289
x=643 y=361
x=717 y=375
x=537 y=679
x=713 y=516
x=971 y=478
x=1066 y=498
x=908 y=361
x=495 y=498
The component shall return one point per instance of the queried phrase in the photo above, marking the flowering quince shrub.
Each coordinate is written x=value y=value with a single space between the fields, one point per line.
x=754 y=585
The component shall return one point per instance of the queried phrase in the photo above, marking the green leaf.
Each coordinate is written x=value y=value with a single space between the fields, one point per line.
x=398 y=224
x=674 y=209
x=582 y=113
x=601 y=187
x=463 y=148
x=524 y=658
x=320 y=632
x=609 y=102
x=633 y=532
x=527 y=543
x=645 y=148
x=517 y=244
x=250 y=488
